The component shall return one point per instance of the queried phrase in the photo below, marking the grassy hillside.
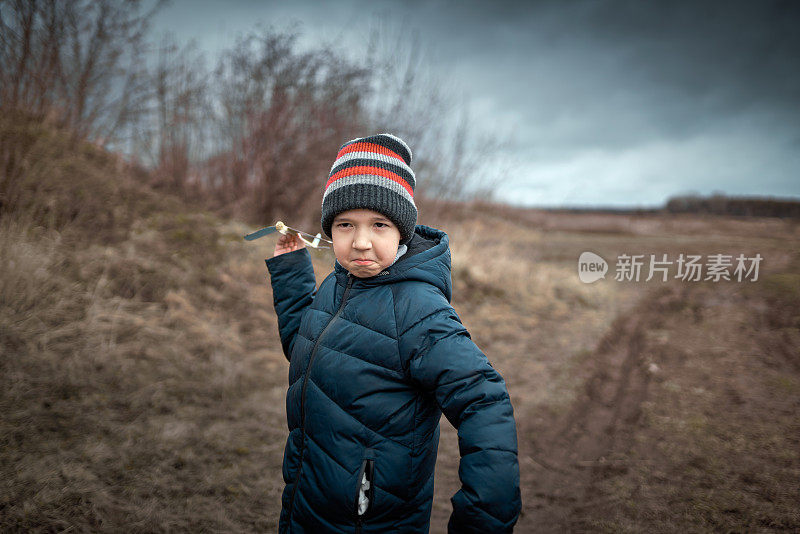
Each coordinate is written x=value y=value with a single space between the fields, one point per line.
x=140 y=368
x=142 y=382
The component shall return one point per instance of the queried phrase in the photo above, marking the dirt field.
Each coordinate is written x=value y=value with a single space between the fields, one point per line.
x=142 y=384
x=645 y=406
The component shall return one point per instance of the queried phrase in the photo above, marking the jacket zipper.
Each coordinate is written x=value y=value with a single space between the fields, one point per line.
x=350 y=279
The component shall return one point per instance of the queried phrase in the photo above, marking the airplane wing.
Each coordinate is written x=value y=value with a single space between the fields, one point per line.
x=261 y=233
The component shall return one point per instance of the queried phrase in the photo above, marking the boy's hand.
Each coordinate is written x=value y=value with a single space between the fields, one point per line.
x=288 y=243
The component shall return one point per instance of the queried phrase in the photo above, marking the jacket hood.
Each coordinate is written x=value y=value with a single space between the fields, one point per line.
x=427 y=260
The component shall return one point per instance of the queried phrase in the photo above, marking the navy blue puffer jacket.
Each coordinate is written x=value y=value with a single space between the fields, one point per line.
x=374 y=362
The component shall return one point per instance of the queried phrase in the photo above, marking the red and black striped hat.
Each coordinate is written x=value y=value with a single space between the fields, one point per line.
x=372 y=173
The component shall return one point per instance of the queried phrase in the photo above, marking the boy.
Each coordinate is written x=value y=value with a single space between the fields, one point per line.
x=376 y=355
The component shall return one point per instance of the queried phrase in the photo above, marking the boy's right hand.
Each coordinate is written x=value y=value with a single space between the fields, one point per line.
x=288 y=243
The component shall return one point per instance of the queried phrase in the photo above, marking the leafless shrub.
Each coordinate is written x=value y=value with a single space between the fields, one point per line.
x=178 y=137
x=454 y=158
x=282 y=116
x=256 y=136
x=78 y=62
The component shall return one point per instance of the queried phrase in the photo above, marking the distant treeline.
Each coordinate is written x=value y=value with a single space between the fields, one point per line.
x=711 y=205
x=737 y=206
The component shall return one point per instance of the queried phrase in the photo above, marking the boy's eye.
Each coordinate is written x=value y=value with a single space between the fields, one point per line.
x=342 y=225
x=380 y=224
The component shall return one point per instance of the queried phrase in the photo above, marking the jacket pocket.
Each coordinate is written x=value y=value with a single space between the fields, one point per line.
x=365 y=480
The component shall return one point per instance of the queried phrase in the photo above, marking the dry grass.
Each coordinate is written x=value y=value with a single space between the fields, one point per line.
x=640 y=406
x=142 y=382
x=137 y=380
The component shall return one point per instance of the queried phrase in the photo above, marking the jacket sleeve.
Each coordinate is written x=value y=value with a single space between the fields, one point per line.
x=473 y=396
x=293 y=289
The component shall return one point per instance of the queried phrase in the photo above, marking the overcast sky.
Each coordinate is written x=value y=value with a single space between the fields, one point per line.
x=611 y=103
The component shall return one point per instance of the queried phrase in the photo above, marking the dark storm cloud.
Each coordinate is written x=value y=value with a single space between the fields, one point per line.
x=609 y=102
x=615 y=72
x=740 y=51
x=631 y=102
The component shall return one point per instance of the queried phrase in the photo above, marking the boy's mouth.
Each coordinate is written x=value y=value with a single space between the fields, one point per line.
x=362 y=261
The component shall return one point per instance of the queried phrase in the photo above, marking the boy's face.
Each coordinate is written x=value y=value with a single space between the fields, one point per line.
x=364 y=241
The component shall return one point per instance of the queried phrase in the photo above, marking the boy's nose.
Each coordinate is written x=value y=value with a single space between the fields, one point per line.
x=361 y=241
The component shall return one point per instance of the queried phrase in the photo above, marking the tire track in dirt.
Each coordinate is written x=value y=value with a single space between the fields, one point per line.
x=592 y=440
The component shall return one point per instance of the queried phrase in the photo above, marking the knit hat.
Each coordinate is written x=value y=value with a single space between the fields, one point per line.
x=372 y=173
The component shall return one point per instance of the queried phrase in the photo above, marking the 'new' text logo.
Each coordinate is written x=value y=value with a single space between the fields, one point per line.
x=591 y=267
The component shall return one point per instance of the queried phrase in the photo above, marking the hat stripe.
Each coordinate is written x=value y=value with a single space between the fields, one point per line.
x=373 y=156
x=368 y=147
x=393 y=143
x=372 y=162
x=368 y=179
x=370 y=170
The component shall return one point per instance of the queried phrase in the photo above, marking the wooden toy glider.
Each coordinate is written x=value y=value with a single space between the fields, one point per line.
x=314 y=241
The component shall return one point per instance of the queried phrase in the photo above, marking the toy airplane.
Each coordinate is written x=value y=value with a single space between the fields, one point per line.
x=314 y=241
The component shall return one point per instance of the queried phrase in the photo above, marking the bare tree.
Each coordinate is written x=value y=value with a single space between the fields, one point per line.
x=283 y=114
x=79 y=62
x=181 y=115
x=455 y=158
